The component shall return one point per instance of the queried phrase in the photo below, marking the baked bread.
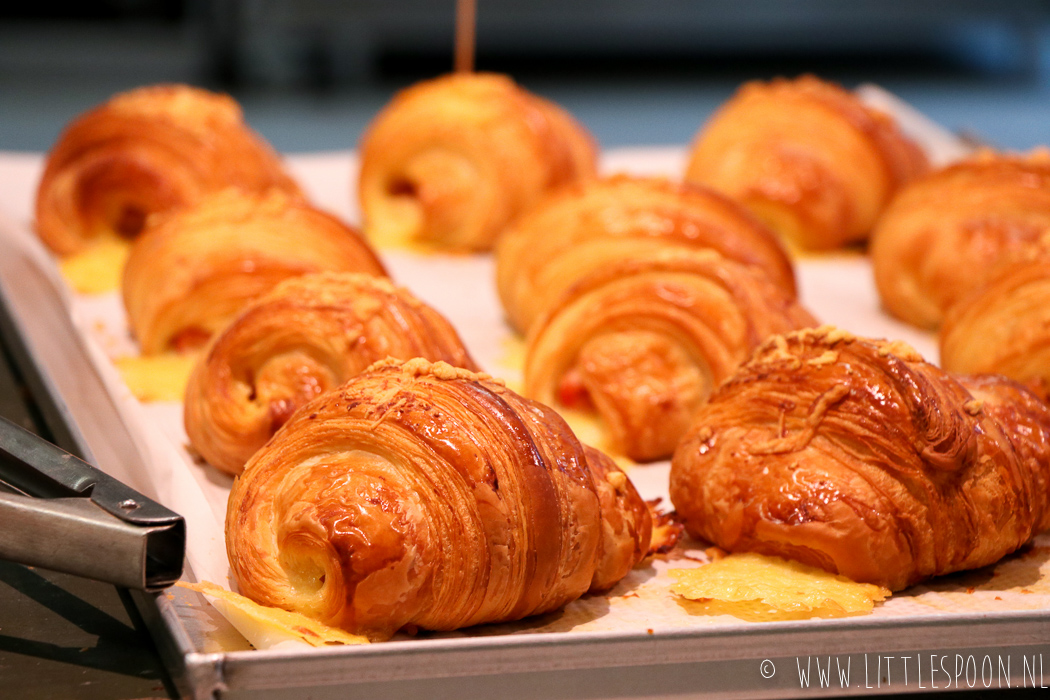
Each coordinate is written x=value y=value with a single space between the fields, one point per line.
x=585 y=227
x=194 y=269
x=149 y=150
x=421 y=494
x=309 y=335
x=943 y=234
x=450 y=161
x=807 y=157
x=643 y=341
x=858 y=457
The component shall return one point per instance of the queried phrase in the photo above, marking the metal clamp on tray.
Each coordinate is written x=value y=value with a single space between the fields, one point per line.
x=60 y=513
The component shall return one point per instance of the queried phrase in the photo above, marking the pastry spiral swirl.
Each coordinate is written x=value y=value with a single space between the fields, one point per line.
x=309 y=335
x=149 y=150
x=942 y=235
x=196 y=268
x=858 y=457
x=427 y=495
x=590 y=225
x=646 y=339
x=449 y=162
x=807 y=157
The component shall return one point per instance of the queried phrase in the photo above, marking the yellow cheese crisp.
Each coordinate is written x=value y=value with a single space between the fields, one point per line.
x=158 y=377
x=759 y=588
x=264 y=627
x=99 y=268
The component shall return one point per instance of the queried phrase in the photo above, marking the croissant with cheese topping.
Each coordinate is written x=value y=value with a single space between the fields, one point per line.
x=426 y=495
x=643 y=340
x=450 y=161
x=309 y=335
x=585 y=227
x=858 y=457
x=149 y=150
x=942 y=236
x=807 y=157
x=194 y=269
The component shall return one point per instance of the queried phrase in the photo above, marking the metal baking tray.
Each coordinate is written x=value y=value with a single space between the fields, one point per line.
x=208 y=659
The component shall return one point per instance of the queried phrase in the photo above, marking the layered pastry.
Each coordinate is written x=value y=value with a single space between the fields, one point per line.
x=807 y=157
x=309 y=335
x=588 y=226
x=858 y=457
x=943 y=234
x=195 y=268
x=425 y=495
x=1003 y=326
x=149 y=150
x=643 y=341
x=451 y=161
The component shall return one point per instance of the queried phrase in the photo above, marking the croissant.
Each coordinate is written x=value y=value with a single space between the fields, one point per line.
x=421 y=494
x=149 y=150
x=1003 y=327
x=858 y=457
x=192 y=271
x=645 y=340
x=590 y=225
x=450 y=161
x=943 y=234
x=309 y=335
x=807 y=157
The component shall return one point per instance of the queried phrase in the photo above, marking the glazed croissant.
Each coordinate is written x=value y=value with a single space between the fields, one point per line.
x=421 y=494
x=807 y=157
x=644 y=340
x=858 y=457
x=309 y=335
x=150 y=150
x=942 y=235
x=590 y=225
x=449 y=162
x=195 y=269
x=1003 y=327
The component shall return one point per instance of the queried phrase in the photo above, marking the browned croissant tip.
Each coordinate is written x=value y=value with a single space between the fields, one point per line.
x=441 y=370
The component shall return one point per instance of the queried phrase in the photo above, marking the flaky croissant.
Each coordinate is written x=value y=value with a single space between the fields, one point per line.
x=942 y=235
x=858 y=457
x=644 y=340
x=450 y=161
x=1003 y=326
x=194 y=269
x=590 y=225
x=149 y=150
x=807 y=157
x=420 y=494
x=309 y=335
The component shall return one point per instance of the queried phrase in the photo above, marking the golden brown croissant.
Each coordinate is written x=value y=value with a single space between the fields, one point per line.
x=148 y=150
x=646 y=339
x=421 y=494
x=309 y=335
x=449 y=162
x=858 y=457
x=942 y=235
x=807 y=157
x=1003 y=327
x=195 y=269
x=590 y=225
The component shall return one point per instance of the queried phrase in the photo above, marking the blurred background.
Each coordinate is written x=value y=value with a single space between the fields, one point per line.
x=312 y=73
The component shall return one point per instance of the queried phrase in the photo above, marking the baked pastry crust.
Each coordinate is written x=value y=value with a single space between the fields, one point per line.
x=585 y=227
x=858 y=457
x=807 y=157
x=450 y=161
x=422 y=494
x=194 y=269
x=645 y=339
x=943 y=235
x=149 y=150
